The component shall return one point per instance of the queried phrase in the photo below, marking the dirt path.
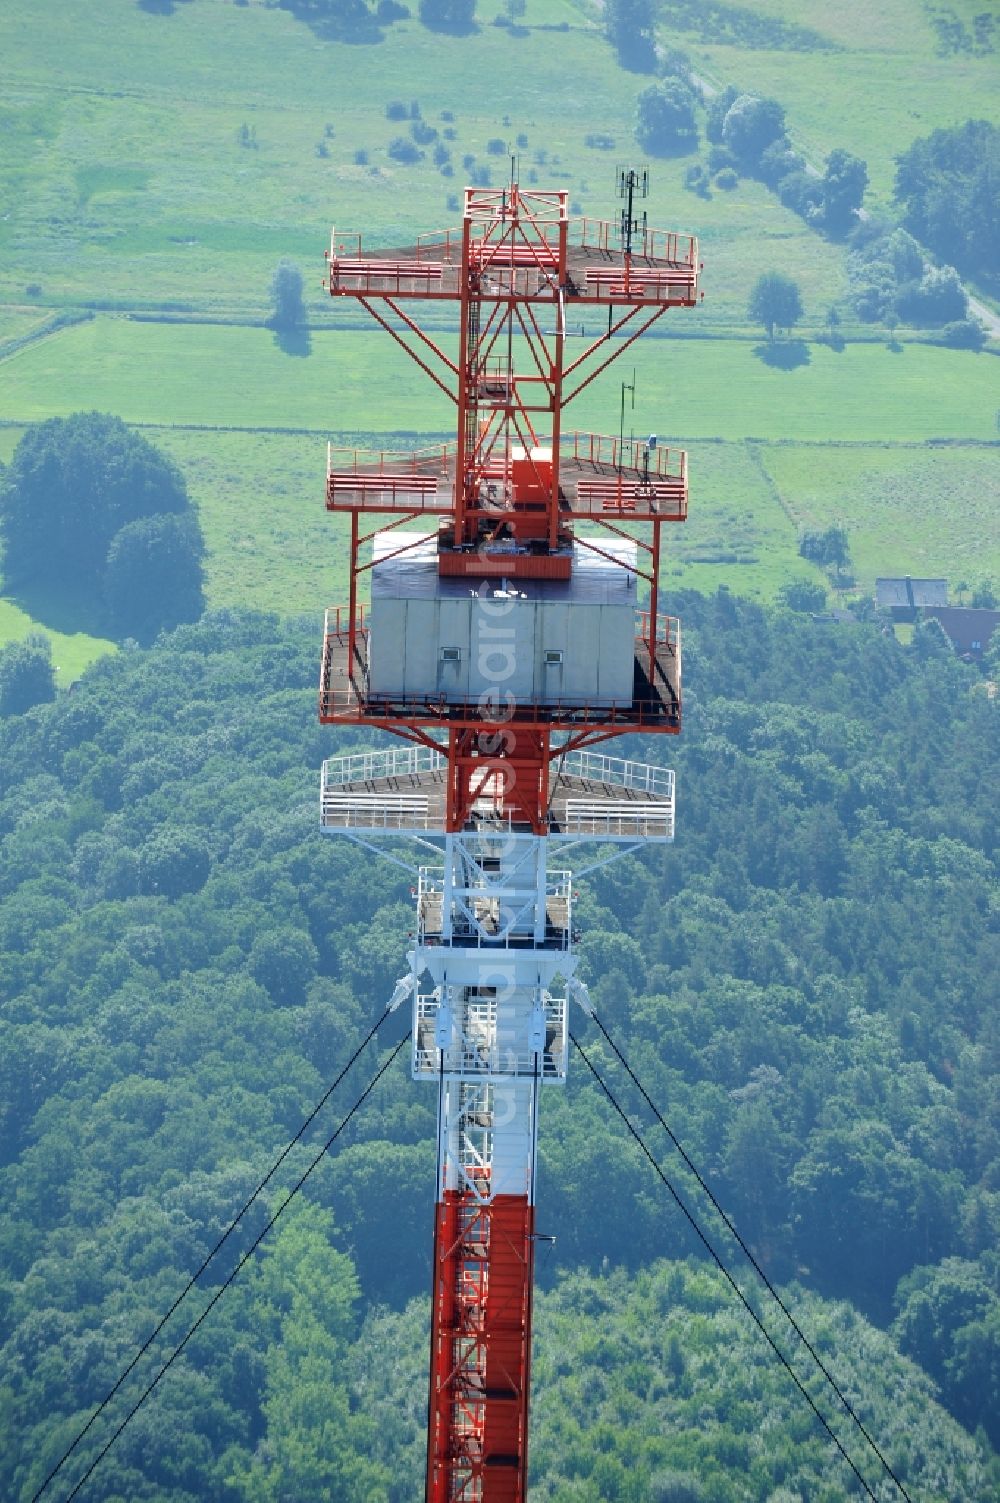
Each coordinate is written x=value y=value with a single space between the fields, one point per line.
x=986 y=316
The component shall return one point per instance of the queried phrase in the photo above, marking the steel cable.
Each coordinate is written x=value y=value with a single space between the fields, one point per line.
x=758 y=1270
x=193 y=1280
x=729 y=1278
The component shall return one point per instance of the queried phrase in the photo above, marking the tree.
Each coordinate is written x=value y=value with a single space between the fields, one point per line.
x=283 y=960
x=751 y=126
x=938 y=298
x=26 y=676
x=844 y=184
x=803 y=595
x=775 y=302
x=286 y=297
x=801 y=192
x=665 y=117
x=71 y=485
x=829 y=547
x=778 y=161
x=173 y=861
x=629 y=25
x=718 y=108
x=154 y=577
x=949 y=185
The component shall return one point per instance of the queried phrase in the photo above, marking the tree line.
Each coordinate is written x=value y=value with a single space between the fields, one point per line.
x=802 y=982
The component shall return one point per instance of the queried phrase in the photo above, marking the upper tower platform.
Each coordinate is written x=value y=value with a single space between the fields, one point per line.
x=510 y=618
x=574 y=260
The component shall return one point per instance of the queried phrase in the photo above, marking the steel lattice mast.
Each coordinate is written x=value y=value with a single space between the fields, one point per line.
x=502 y=643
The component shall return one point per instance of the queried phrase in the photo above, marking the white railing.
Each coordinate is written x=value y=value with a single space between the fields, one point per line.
x=640 y=776
x=490 y=915
x=474 y=1053
x=346 y=806
x=366 y=767
x=628 y=821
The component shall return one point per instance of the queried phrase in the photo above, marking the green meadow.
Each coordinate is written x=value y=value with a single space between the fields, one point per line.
x=892 y=72
x=72 y=652
x=141 y=194
x=907 y=510
x=162 y=161
x=238 y=377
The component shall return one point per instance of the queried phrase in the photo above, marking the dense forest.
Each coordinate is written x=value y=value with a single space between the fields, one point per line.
x=805 y=982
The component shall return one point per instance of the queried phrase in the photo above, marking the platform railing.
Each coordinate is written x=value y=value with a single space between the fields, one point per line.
x=660 y=245
x=616 y=821
x=631 y=454
x=341 y=460
x=474 y=1053
x=337 y=620
x=641 y=777
x=443 y=245
x=366 y=767
x=668 y=630
x=513 y=926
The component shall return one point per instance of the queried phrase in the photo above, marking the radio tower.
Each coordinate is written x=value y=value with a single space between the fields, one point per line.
x=502 y=641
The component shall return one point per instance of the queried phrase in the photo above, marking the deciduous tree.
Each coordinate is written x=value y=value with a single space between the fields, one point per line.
x=71 y=485
x=629 y=26
x=26 y=675
x=154 y=579
x=665 y=117
x=448 y=15
x=775 y=302
x=751 y=125
x=844 y=184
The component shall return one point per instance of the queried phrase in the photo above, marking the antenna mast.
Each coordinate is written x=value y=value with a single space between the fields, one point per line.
x=504 y=639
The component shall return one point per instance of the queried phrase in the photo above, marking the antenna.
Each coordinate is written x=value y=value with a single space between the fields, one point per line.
x=633 y=183
x=627 y=386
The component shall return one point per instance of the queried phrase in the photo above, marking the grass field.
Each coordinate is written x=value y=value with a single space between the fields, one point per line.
x=822 y=444
x=238 y=377
x=893 y=77
x=907 y=511
x=271 y=543
x=141 y=194
x=124 y=184
x=72 y=652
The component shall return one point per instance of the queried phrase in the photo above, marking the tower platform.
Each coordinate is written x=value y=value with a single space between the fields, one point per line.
x=663 y=267
x=590 y=795
x=344 y=698
x=600 y=476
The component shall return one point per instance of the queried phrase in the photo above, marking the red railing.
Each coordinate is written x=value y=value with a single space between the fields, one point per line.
x=668 y=630
x=337 y=620
x=625 y=454
x=348 y=461
x=440 y=245
x=659 y=245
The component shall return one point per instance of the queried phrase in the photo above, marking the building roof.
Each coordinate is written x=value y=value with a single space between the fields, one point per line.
x=596 y=579
x=968 y=628
x=911 y=593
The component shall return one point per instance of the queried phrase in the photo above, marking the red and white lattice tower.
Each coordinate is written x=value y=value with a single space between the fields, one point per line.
x=503 y=640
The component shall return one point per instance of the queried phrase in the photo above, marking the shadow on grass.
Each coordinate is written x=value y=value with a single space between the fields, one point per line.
x=457 y=29
x=67 y=608
x=893 y=346
x=785 y=355
x=293 y=341
x=351 y=23
x=159 y=7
